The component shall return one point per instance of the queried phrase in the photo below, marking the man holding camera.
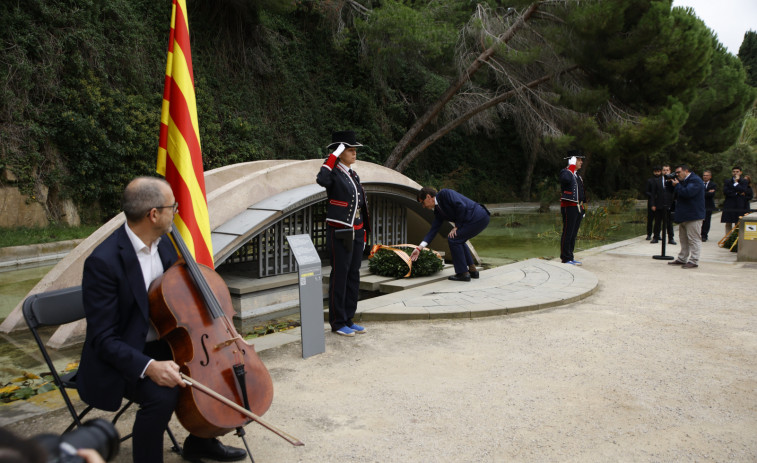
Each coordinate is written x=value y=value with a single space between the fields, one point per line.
x=689 y=216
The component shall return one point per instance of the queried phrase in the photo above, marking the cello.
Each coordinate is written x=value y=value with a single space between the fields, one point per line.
x=190 y=307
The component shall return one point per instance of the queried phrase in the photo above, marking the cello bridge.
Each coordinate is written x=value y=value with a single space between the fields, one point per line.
x=228 y=342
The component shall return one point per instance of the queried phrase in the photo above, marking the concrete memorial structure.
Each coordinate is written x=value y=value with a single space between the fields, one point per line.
x=252 y=207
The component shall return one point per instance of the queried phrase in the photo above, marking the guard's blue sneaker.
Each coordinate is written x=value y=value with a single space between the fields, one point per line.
x=575 y=262
x=358 y=329
x=345 y=331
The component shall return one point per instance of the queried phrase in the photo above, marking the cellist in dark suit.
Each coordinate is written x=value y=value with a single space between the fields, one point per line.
x=122 y=356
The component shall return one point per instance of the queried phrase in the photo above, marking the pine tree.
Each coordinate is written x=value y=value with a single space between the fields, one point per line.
x=748 y=56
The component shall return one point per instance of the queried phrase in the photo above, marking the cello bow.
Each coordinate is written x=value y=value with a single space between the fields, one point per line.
x=201 y=387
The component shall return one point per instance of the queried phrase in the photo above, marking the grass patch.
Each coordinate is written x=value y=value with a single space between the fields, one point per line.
x=22 y=235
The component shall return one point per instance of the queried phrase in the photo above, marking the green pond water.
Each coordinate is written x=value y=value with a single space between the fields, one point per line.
x=509 y=238
x=515 y=237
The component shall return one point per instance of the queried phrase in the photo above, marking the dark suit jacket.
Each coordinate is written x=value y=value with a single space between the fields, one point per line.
x=117 y=310
x=454 y=207
x=709 y=198
x=656 y=192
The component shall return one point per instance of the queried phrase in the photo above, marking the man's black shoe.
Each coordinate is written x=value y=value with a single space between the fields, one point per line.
x=460 y=277
x=671 y=241
x=649 y=237
x=654 y=241
x=474 y=274
x=197 y=448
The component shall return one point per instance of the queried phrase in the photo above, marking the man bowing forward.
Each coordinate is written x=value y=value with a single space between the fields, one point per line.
x=470 y=219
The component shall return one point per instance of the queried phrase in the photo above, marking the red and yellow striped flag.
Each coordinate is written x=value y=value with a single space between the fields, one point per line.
x=179 y=152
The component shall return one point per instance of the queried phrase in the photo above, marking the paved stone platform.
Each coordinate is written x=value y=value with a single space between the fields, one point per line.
x=528 y=285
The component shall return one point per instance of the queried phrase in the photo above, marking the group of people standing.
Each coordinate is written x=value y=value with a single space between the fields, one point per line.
x=686 y=199
x=348 y=221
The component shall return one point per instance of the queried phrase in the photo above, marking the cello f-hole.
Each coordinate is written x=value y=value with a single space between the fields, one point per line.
x=205 y=362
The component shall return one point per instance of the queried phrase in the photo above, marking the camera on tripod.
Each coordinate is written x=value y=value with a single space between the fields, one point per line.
x=98 y=434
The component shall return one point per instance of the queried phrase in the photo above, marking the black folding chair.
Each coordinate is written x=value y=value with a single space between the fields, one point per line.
x=59 y=307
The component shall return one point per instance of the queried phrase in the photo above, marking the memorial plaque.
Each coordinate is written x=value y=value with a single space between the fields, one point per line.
x=311 y=294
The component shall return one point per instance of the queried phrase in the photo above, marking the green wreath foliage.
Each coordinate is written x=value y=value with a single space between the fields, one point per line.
x=731 y=238
x=386 y=263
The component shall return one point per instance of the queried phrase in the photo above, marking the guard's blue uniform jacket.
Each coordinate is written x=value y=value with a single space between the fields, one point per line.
x=347 y=201
x=572 y=186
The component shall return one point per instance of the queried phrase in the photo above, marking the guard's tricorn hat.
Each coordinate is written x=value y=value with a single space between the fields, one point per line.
x=346 y=136
x=575 y=152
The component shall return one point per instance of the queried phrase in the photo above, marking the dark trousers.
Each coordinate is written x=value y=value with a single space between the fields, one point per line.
x=462 y=258
x=659 y=214
x=156 y=405
x=571 y=220
x=650 y=220
x=706 y=224
x=344 y=282
x=669 y=218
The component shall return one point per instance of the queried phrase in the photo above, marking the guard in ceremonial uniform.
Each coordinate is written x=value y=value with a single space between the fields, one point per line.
x=572 y=206
x=348 y=226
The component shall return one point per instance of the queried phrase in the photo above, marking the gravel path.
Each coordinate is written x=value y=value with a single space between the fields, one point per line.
x=659 y=365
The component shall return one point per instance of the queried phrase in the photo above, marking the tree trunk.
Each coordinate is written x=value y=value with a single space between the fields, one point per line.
x=525 y=190
x=410 y=157
x=396 y=154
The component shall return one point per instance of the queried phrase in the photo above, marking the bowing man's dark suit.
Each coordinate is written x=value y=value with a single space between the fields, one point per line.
x=469 y=217
x=113 y=357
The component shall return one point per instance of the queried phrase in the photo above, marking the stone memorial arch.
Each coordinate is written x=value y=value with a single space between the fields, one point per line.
x=253 y=206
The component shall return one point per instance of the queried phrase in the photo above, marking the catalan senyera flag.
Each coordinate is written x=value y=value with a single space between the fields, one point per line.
x=179 y=152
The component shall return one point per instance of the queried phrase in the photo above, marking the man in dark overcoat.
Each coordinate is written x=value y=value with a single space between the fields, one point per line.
x=709 y=203
x=734 y=190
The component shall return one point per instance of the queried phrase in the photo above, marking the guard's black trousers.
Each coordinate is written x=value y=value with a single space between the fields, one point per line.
x=571 y=220
x=344 y=282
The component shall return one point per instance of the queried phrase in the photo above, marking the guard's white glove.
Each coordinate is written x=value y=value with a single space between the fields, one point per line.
x=339 y=149
x=572 y=161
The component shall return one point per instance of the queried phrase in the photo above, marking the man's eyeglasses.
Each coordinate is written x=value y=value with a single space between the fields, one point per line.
x=678 y=172
x=175 y=207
